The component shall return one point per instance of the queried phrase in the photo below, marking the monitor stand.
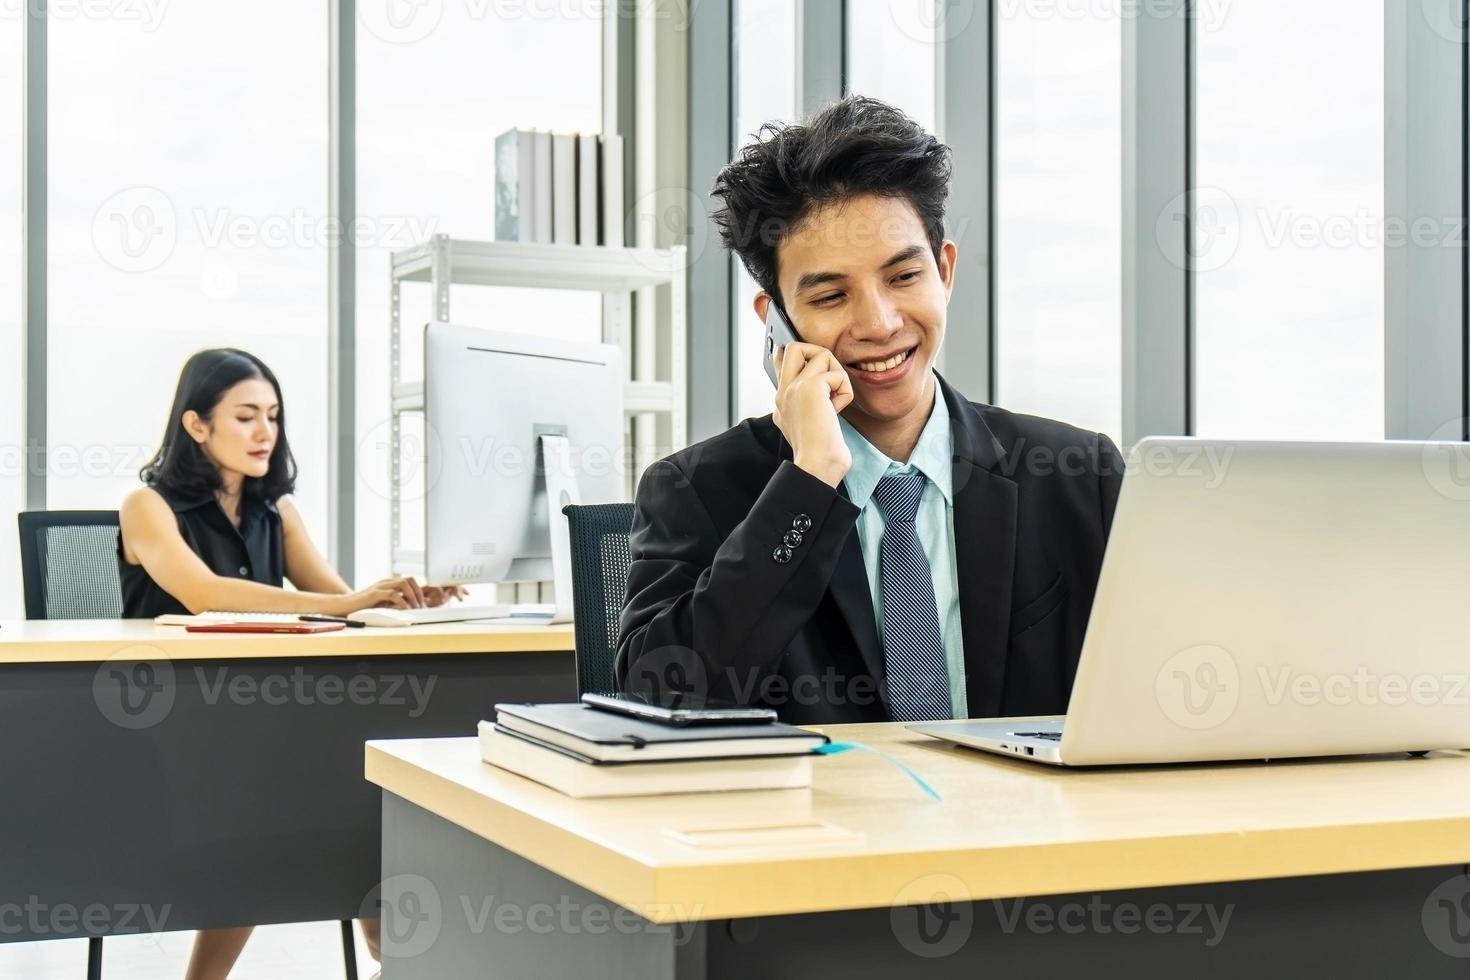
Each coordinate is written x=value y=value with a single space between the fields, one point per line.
x=561 y=490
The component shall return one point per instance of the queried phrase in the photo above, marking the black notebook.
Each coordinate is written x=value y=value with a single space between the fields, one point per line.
x=605 y=736
x=577 y=775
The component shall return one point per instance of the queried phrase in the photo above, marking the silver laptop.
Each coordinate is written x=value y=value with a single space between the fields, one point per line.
x=1268 y=600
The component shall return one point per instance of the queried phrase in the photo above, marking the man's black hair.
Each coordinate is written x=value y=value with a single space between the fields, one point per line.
x=850 y=148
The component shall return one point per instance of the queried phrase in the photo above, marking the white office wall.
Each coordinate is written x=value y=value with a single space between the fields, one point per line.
x=765 y=91
x=1290 y=237
x=1058 y=213
x=434 y=88
x=187 y=194
x=12 y=368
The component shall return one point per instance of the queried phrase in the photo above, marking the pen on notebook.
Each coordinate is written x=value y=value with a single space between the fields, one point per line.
x=305 y=618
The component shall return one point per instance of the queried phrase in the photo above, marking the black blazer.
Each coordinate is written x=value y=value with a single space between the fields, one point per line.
x=713 y=609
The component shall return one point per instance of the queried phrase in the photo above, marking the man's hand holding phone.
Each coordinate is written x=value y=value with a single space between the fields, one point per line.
x=812 y=390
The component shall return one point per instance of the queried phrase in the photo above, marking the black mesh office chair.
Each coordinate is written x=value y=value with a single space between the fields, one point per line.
x=600 y=561
x=68 y=567
x=68 y=564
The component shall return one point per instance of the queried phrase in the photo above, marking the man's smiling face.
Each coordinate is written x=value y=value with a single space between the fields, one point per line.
x=859 y=278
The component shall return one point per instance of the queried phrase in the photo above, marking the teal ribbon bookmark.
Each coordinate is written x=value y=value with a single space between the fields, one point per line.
x=837 y=748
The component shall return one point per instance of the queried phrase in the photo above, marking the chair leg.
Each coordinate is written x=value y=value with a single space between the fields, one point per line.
x=349 y=950
x=94 y=958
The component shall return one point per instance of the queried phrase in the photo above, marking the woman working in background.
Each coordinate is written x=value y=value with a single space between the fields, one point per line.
x=215 y=528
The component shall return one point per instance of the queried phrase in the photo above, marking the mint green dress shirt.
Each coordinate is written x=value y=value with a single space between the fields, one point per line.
x=933 y=456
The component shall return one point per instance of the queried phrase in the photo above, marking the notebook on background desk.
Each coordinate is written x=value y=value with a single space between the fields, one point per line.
x=216 y=616
x=448 y=613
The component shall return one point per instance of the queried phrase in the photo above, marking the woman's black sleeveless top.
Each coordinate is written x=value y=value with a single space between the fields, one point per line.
x=254 y=551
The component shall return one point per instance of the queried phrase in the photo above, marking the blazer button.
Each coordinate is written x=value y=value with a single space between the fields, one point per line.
x=244 y=570
x=802 y=523
x=792 y=539
x=781 y=555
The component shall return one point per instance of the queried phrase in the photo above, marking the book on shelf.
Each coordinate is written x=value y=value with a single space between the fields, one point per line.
x=584 y=751
x=541 y=187
x=564 y=189
x=561 y=188
x=514 y=194
x=589 y=171
x=612 y=191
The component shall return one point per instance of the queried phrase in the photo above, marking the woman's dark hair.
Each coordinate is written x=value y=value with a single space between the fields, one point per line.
x=180 y=465
x=849 y=148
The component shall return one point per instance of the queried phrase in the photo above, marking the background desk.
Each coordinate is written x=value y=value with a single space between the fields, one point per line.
x=1346 y=868
x=215 y=780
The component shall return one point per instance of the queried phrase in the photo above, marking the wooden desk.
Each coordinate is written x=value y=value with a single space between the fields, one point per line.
x=93 y=640
x=169 y=780
x=1351 y=867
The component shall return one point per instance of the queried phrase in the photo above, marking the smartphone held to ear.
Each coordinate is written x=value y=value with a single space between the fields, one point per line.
x=778 y=334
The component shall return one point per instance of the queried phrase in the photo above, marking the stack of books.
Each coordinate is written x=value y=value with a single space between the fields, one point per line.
x=558 y=188
x=583 y=751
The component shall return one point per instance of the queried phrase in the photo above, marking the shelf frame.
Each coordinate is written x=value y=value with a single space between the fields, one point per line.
x=616 y=273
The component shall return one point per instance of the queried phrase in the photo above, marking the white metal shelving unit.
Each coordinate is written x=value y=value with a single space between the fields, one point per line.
x=614 y=272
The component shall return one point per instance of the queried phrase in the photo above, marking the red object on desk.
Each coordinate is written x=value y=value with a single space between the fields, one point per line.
x=264 y=627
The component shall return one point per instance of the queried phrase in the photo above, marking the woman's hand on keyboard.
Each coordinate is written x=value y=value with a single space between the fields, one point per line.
x=438 y=595
x=398 y=592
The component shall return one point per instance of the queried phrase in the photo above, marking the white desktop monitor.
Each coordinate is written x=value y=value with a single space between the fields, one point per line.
x=489 y=398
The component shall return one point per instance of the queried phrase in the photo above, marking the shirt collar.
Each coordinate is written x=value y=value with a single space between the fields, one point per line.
x=182 y=500
x=250 y=507
x=932 y=456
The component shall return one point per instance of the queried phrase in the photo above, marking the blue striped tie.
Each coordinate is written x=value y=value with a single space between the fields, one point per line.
x=913 y=647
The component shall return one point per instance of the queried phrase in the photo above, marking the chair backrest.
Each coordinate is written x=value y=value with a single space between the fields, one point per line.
x=600 y=561
x=68 y=564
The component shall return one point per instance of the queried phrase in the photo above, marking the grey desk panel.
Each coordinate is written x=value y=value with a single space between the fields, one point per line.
x=457 y=906
x=231 y=795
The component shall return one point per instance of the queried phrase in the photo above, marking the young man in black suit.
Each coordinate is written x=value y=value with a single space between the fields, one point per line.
x=880 y=548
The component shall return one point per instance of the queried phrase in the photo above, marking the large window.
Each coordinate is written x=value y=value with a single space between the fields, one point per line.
x=187 y=195
x=434 y=87
x=1290 y=231
x=12 y=457
x=1058 y=214
x=891 y=54
x=765 y=92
